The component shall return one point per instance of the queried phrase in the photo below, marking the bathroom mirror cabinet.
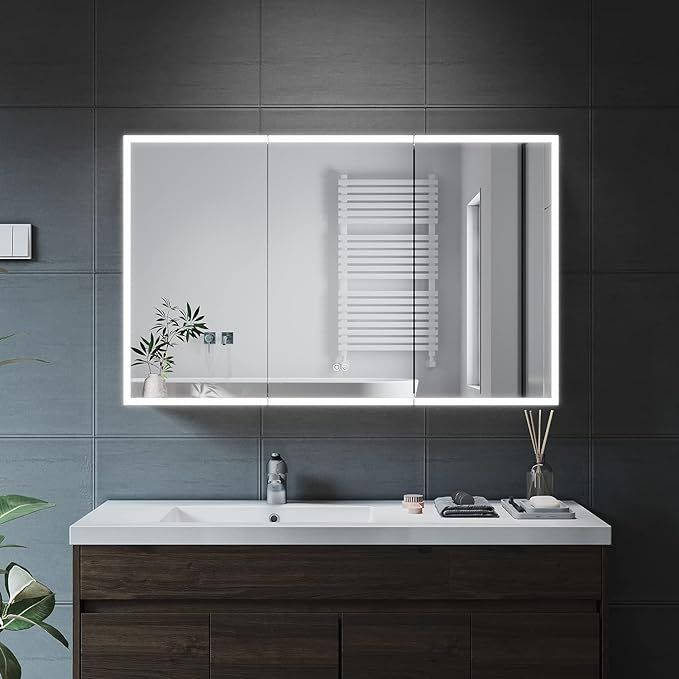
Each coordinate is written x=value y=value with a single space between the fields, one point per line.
x=331 y=270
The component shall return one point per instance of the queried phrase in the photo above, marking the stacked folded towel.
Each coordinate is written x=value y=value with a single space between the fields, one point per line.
x=446 y=507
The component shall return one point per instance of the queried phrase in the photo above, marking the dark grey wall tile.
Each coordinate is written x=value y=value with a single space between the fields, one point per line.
x=572 y=416
x=111 y=125
x=177 y=53
x=342 y=422
x=57 y=470
x=642 y=641
x=635 y=201
x=52 y=314
x=496 y=468
x=39 y=654
x=342 y=53
x=573 y=128
x=112 y=418
x=46 y=180
x=634 y=54
x=176 y=469
x=46 y=53
x=633 y=488
x=342 y=120
x=493 y=52
x=635 y=362
x=349 y=469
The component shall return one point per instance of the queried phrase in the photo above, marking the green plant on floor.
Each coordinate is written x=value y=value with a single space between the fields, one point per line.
x=29 y=603
x=172 y=325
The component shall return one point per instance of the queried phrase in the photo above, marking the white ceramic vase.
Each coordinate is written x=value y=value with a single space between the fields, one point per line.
x=154 y=387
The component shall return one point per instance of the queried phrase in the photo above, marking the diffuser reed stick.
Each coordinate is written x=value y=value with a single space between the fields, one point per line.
x=537 y=438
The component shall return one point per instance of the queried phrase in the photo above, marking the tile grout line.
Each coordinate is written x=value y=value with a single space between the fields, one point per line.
x=426 y=53
x=94 y=255
x=590 y=418
x=366 y=106
x=261 y=22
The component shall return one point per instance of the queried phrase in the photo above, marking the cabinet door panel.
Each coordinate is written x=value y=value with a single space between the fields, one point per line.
x=144 y=646
x=534 y=646
x=275 y=646
x=400 y=646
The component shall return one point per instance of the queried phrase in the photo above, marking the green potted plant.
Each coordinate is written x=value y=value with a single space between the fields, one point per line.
x=172 y=326
x=29 y=602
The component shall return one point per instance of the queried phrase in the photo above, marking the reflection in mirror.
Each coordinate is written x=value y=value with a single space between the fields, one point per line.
x=341 y=270
x=496 y=268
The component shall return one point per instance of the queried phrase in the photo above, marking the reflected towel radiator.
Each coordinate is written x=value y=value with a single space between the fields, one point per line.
x=387 y=258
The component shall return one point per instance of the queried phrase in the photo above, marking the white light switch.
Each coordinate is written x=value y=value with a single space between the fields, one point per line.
x=21 y=240
x=5 y=241
x=15 y=241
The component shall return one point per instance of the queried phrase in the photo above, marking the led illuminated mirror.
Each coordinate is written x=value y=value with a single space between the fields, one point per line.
x=341 y=270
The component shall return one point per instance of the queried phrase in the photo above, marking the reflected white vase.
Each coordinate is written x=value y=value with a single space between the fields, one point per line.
x=154 y=387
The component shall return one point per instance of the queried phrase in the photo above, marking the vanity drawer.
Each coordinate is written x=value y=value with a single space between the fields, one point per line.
x=526 y=572
x=263 y=572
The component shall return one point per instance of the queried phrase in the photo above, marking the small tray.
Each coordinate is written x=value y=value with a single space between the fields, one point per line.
x=562 y=507
x=537 y=513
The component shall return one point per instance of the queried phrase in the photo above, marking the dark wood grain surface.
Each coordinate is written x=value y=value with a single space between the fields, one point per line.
x=271 y=572
x=275 y=646
x=535 y=572
x=145 y=646
x=340 y=572
x=535 y=646
x=403 y=646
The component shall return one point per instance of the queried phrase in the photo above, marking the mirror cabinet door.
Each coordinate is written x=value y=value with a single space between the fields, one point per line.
x=491 y=289
x=341 y=270
x=198 y=237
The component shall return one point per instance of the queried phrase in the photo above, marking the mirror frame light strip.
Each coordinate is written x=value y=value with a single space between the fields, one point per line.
x=551 y=139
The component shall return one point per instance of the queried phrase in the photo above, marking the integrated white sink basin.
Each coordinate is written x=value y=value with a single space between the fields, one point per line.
x=182 y=522
x=255 y=513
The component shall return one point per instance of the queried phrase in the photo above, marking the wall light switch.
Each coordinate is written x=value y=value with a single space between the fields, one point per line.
x=5 y=241
x=15 y=241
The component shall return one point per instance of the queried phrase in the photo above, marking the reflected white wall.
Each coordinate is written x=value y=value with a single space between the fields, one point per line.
x=199 y=235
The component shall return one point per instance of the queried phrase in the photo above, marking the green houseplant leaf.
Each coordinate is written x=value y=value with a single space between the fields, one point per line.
x=15 y=506
x=9 y=665
x=30 y=603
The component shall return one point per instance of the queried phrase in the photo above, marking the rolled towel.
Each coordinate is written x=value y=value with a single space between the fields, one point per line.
x=446 y=507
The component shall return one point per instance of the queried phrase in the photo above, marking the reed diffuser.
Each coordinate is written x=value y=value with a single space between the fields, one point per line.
x=540 y=478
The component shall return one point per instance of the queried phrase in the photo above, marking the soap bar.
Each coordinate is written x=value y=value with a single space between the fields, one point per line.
x=544 y=501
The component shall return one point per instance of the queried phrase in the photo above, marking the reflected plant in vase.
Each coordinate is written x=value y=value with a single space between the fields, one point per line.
x=29 y=603
x=172 y=325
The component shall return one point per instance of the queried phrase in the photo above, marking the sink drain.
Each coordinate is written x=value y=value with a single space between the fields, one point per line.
x=274 y=518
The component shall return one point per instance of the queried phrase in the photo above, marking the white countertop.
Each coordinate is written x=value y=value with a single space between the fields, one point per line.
x=186 y=522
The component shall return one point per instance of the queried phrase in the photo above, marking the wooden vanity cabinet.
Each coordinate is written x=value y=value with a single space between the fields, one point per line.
x=338 y=612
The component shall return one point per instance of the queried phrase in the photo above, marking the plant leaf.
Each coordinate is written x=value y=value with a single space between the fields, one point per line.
x=23 y=359
x=30 y=602
x=21 y=585
x=15 y=506
x=53 y=631
x=9 y=665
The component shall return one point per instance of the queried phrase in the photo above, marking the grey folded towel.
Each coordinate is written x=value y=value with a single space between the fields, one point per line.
x=447 y=508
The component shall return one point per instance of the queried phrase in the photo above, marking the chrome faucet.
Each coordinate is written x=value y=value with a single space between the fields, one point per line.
x=276 y=480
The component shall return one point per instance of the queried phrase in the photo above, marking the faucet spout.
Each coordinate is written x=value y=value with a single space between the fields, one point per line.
x=276 y=480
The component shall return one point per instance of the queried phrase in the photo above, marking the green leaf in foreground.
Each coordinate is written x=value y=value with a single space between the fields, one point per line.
x=9 y=665
x=15 y=506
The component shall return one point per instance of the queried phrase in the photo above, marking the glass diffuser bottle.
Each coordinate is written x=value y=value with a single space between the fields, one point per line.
x=539 y=480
